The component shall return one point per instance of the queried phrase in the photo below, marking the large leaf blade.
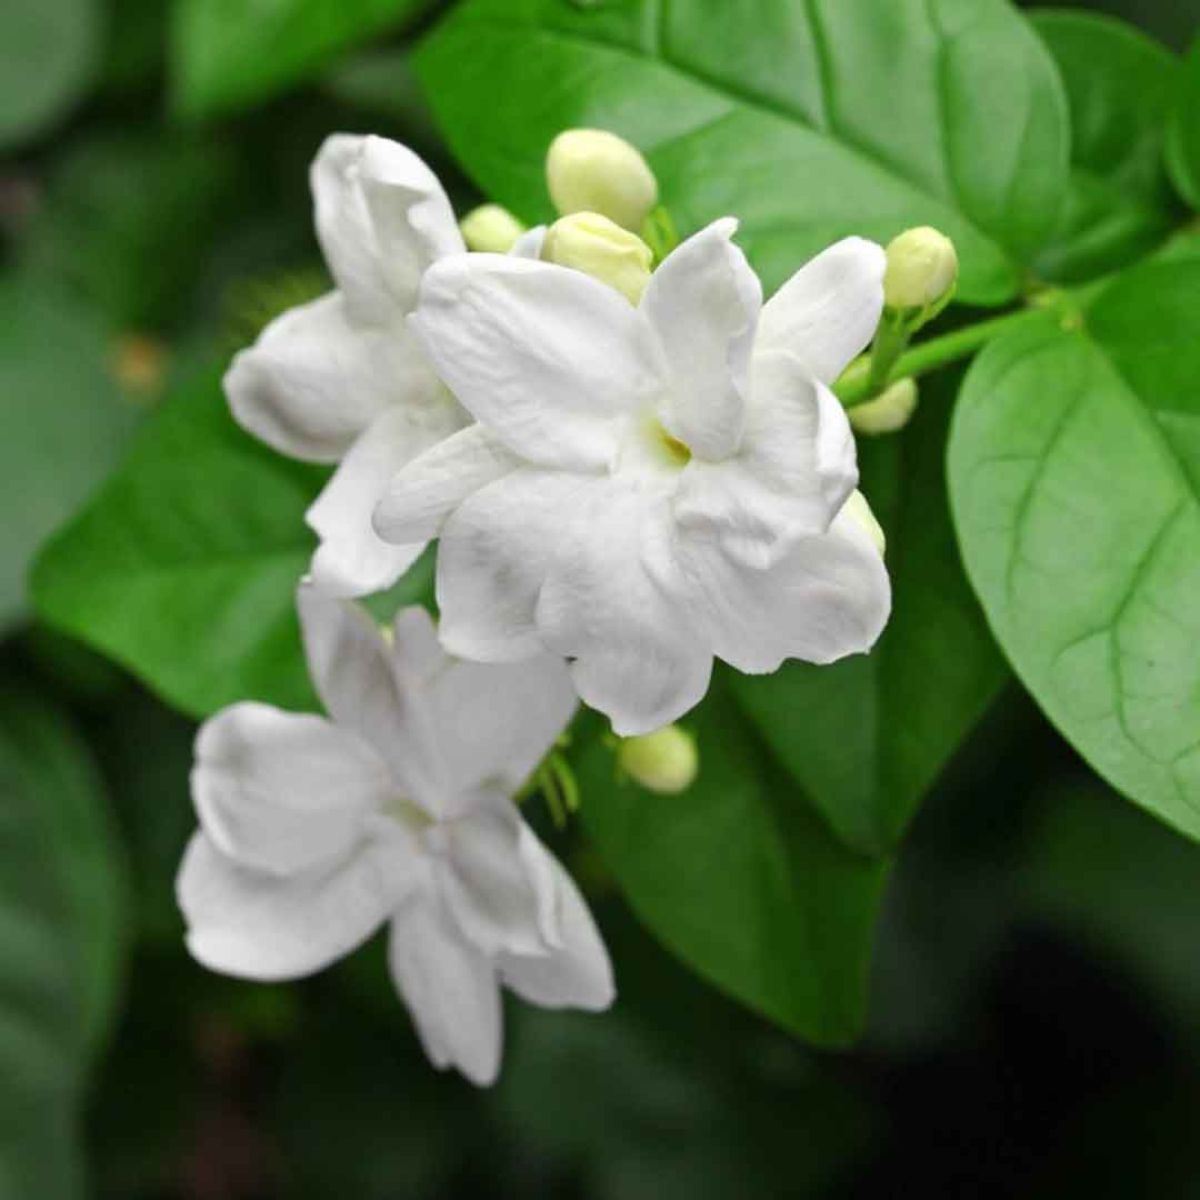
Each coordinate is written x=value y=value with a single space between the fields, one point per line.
x=809 y=122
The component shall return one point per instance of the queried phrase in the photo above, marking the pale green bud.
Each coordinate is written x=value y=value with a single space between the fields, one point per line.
x=888 y=412
x=666 y=761
x=599 y=247
x=490 y=229
x=592 y=170
x=857 y=508
x=922 y=269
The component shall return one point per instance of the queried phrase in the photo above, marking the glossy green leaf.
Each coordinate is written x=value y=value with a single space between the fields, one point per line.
x=184 y=567
x=49 y=52
x=807 y=121
x=1075 y=484
x=227 y=54
x=1183 y=139
x=66 y=422
x=742 y=879
x=1119 y=85
x=60 y=944
x=866 y=737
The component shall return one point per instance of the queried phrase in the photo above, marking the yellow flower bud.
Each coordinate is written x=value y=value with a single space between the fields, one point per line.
x=591 y=170
x=857 y=508
x=888 y=412
x=491 y=229
x=597 y=246
x=922 y=269
x=665 y=761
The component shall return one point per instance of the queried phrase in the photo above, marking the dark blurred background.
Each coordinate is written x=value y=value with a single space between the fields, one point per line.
x=1035 y=1019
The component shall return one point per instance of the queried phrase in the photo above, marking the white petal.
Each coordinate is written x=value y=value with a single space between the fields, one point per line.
x=542 y=355
x=577 y=972
x=417 y=655
x=353 y=560
x=497 y=721
x=827 y=313
x=829 y=596
x=486 y=883
x=259 y=926
x=703 y=302
x=492 y=559
x=450 y=989
x=608 y=603
x=382 y=218
x=314 y=380
x=791 y=475
x=419 y=498
x=280 y=791
x=351 y=669
x=529 y=244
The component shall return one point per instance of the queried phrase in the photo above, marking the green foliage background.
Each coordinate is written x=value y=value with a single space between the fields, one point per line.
x=906 y=934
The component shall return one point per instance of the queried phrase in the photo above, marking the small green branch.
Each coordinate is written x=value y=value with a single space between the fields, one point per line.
x=857 y=386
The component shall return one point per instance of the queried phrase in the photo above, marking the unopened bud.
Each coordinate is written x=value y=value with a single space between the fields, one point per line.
x=859 y=511
x=490 y=229
x=592 y=170
x=922 y=269
x=888 y=412
x=599 y=247
x=665 y=761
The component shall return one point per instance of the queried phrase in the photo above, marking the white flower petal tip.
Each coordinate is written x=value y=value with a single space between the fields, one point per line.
x=315 y=832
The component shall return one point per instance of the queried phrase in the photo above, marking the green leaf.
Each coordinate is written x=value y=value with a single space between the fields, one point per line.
x=807 y=121
x=1119 y=85
x=1075 y=485
x=49 y=52
x=184 y=567
x=129 y=222
x=65 y=427
x=1183 y=139
x=228 y=54
x=60 y=944
x=741 y=879
x=866 y=737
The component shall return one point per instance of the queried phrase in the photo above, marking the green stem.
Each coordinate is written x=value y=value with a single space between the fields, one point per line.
x=856 y=387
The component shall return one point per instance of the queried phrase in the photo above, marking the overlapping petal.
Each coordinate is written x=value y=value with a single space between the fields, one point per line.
x=608 y=603
x=828 y=597
x=314 y=381
x=256 y=925
x=418 y=499
x=791 y=475
x=544 y=356
x=283 y=792
x=382 y=218
x=352 y=559
x=703 y=302
x=828 y=311
x=450 y=989
x=492 y=560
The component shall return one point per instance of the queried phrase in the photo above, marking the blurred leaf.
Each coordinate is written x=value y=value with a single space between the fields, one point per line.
x=49 y=51
x=65 y=424
x=1183 y=141
x=1119 y=85
x=741 y=879
x=1075 y=483
x=128 y=222
x=866 y=737
x=228 y=54
x=60 y=942
x=184 y=567
x=808 y=121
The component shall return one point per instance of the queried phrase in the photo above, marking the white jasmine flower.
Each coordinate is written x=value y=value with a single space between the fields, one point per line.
x=341 y=379
x=647 y=487
x=314 y=832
